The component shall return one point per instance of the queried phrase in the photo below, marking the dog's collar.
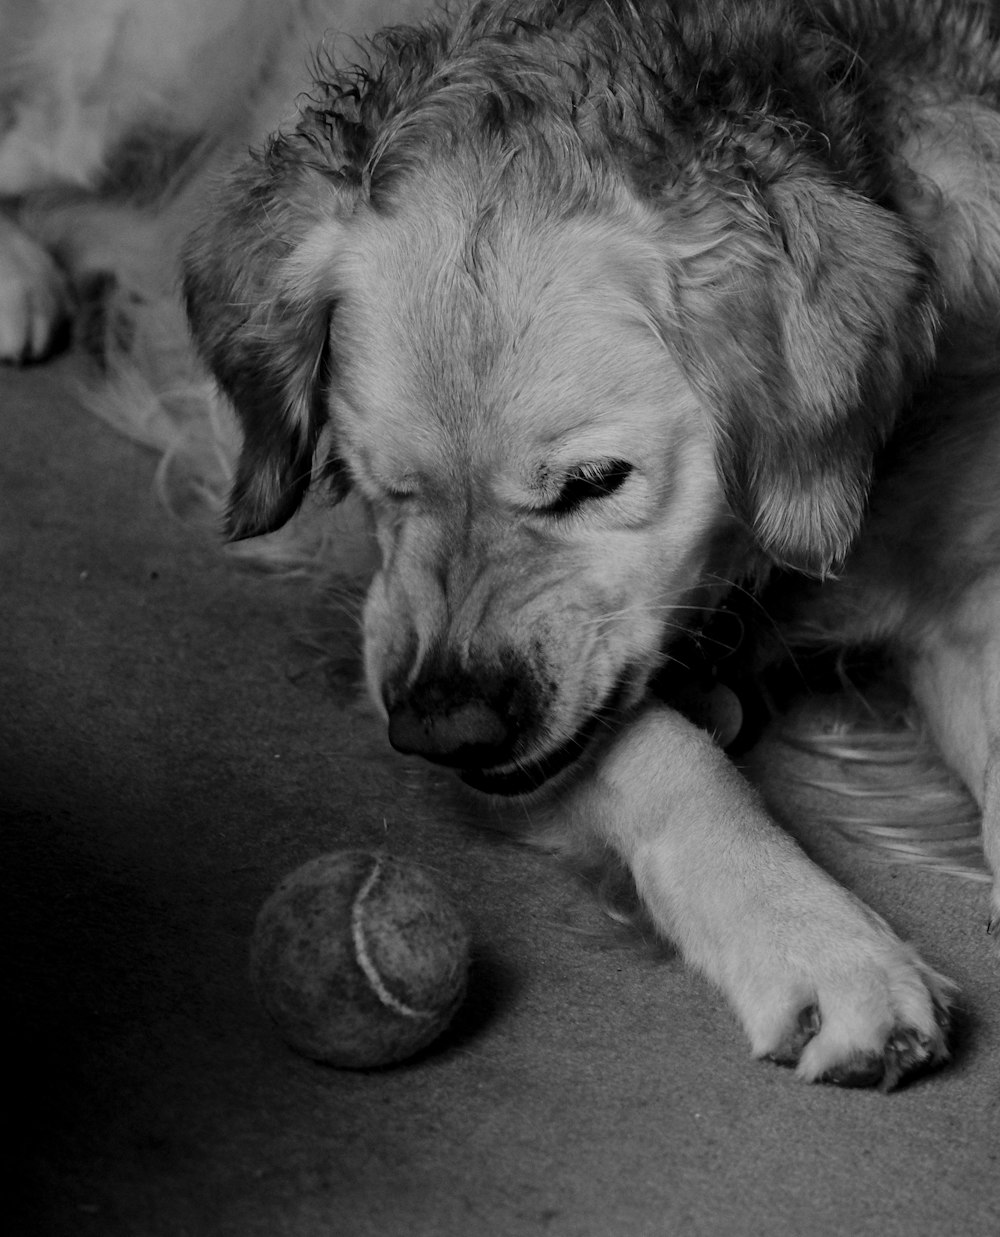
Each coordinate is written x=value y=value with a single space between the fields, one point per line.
x=708 y=675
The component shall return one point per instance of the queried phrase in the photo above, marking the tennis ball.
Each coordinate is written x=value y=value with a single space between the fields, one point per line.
x=359 y=959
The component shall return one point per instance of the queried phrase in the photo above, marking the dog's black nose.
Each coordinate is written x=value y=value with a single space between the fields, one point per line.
x=469 y=734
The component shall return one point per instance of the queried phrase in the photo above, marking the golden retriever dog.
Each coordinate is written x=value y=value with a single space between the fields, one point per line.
x=608 y=311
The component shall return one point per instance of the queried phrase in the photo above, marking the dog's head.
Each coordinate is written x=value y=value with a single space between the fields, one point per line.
x=556 y=379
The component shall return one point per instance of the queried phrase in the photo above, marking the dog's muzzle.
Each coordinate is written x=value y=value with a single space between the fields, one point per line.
x=474 y=739
x=463 y=720
x=469 y=734
x=488 y=730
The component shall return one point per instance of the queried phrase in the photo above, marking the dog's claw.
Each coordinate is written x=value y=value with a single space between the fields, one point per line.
x=790 y=1049
x=907 y=1051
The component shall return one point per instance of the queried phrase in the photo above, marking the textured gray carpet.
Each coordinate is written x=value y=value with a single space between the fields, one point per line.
x=168 y=754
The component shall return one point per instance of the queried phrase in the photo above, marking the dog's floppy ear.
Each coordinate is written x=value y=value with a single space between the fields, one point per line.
x=262 y=323
x=803 y=319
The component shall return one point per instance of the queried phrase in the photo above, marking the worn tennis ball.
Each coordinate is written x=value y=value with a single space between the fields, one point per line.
x=359 y=959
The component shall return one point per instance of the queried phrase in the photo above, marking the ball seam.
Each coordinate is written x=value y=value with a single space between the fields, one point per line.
x=365 y=960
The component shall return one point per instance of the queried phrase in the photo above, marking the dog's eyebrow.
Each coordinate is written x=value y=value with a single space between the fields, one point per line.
x=586 y=440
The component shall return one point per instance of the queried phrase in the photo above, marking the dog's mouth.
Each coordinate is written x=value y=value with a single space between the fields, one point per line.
x=523 y=777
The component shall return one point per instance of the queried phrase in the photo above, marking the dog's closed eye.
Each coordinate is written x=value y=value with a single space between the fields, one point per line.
x=587 y=482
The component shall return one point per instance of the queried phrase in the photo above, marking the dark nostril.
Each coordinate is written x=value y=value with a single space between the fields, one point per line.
x=470 y=734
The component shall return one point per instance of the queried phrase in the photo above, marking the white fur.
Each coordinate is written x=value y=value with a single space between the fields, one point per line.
x=747 y=907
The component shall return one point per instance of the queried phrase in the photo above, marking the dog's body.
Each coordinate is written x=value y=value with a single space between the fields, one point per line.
x=605 y=309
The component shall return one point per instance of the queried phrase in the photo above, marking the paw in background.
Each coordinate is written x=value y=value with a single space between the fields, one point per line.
x=33 y=297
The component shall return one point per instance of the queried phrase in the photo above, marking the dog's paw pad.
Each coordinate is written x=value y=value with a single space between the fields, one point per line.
x=864 y=1069
x=864 y=1026
x=916 y=1041
x=907 y=1052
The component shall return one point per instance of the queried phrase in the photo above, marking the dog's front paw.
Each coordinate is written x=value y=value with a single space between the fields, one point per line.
x=861 y=1012
x=817 y=979
x=32 y=297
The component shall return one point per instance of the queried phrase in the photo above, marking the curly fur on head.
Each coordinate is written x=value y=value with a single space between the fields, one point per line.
x=750 y=144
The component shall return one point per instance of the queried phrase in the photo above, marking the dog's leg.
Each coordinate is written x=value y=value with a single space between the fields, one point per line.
x=991 y=831
x=955 y=679
x=816 y=978
x=32 y=296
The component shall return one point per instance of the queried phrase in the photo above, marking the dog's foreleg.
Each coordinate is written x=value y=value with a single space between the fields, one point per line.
x=816 y=978
x=991 y=832
x=955 y=679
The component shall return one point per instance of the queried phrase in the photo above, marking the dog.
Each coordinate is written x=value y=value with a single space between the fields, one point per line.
x=607 y=313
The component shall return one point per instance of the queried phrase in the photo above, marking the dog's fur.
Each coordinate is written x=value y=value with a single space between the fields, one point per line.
x=605 y=309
